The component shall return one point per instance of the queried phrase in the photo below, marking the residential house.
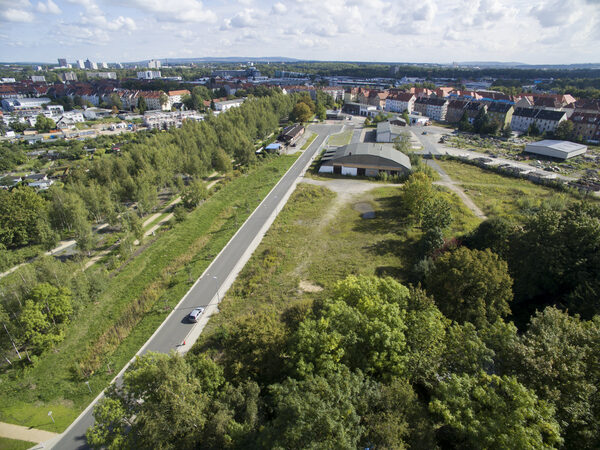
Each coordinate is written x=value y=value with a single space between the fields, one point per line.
x=363 y=96
x=39 y=181
x=400 y=102
x=523 y=118
x=336 y=92
x=434 y=108
x=500 y=112
x=177 y=96
x=153 y=100
x=455 y=110
x=585 y=125
x=443 y=91
x=545 y=120
x=224 y=105
x=351 y=94
x=377 y=98
x=164 y=120
x=420 y=92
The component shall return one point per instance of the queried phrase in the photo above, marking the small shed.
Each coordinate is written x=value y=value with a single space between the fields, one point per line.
x=273 y=148
x=387 y=132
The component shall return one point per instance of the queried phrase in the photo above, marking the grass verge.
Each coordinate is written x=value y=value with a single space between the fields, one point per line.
x=101 y=336
x=309 y=141
x=14 y=444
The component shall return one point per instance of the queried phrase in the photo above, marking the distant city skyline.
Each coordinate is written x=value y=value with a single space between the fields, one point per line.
x=536 y=32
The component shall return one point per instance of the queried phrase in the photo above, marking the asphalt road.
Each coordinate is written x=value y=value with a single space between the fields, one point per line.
x=175 y=328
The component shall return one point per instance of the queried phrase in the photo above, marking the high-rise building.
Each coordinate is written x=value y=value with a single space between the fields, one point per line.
x=91 y=65
x=62 y=62
x=68 y=76
x=80 y=64
x=154 y=64
x=104 y=65
x=119 y=65
x=148 y=75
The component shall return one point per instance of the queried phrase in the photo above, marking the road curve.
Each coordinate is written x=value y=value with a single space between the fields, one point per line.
x=174 y=329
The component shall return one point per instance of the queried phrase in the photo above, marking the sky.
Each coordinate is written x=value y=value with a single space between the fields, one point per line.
x=442 y=31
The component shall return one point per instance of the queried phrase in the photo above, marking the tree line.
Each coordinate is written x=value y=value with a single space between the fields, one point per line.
x=105 y=189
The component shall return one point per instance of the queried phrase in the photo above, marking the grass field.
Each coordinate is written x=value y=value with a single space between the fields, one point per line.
x=13 y=444
x=319 y=239
x=498 y=195
x=309 y=141
x=105 y=334
x=340 y=139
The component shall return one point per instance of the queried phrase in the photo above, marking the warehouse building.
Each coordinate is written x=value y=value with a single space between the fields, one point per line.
x=364 y=159
x=556 y=149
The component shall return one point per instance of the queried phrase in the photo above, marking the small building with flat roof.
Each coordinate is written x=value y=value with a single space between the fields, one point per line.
x=556 y=149
x=365 y=159
x=387 y=132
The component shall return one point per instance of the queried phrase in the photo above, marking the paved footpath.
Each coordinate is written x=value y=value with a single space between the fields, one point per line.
x=8 y=430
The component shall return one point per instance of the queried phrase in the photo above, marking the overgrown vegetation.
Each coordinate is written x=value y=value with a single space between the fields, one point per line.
x=315 y=347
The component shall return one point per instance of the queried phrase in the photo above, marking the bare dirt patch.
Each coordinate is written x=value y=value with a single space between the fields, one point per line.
x=307 y=286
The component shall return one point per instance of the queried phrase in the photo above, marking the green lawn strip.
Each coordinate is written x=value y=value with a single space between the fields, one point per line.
x=340 y=138
x=51 y=380
x=318 y=241
x=498 y=195
x=309 y=141
x=14 y=444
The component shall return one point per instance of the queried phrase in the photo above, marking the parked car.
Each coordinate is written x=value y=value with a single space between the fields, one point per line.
x=195 y=314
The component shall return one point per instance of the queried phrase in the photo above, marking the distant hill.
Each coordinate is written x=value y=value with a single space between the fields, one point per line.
x=519 y=65
x=226 y=59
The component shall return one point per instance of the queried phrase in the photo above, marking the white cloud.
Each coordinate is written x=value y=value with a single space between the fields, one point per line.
x=558 y=13
x=426 y=12
x=279 y=8
x=247 y=18
x=16 y=15
x=48 y=8
x=15 y=11
x=178 y=11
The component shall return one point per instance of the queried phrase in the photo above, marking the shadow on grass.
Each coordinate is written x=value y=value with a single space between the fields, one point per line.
x=389 y=218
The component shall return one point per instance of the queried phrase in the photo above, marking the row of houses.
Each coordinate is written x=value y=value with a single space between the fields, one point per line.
x=546 y=111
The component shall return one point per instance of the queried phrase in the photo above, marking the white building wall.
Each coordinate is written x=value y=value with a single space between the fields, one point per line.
x=352 y=171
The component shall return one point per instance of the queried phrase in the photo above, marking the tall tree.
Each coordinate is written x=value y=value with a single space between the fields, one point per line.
x=487 y=411
x=471 y=286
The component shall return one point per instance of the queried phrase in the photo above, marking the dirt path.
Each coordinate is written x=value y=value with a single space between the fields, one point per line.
x=346 y=190
x=8 y=430
x=455 y=187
